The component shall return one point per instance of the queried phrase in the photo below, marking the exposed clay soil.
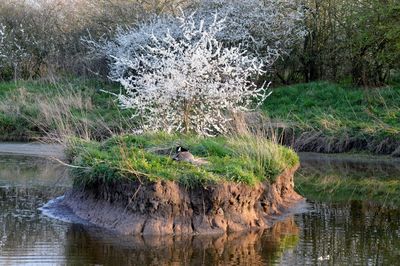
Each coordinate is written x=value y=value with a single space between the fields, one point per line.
x=165 y=207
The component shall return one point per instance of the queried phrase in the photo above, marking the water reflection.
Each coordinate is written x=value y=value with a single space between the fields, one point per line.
x=17 y=170
x=250 y=248
x=350 y=166
x=356 y=233
x=25 y=236
x=342 y=179
x=350 y=233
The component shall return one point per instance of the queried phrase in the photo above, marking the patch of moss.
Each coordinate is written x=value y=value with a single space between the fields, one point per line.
x=247 y=160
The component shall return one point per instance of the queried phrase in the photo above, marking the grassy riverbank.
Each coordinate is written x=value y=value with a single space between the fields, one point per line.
x=246 y=160
x=31 y=110
x=324 y=117
x=332 y=118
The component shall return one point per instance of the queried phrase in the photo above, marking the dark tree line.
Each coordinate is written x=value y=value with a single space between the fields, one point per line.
x=356 y=41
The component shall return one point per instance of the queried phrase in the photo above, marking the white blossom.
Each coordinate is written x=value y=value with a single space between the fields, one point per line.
x=186 y=73
x=188 y=83
x=265 y=28
x=2 y=42
x=129 y=42
x=11 y=50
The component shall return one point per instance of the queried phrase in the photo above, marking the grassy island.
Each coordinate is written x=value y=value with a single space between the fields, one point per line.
x=247 y=160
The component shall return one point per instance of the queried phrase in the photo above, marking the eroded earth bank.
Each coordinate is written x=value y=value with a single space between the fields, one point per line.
x=166 y=207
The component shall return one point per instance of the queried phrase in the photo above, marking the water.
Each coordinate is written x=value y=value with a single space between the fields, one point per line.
x=349 y=233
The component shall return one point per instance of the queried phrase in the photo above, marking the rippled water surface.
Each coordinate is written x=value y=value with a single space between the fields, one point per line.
x=350 y=233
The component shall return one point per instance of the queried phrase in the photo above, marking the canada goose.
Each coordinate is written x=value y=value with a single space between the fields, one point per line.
x=184 y=155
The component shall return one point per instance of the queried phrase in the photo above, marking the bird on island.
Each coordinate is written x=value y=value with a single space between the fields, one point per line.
x=185 y=155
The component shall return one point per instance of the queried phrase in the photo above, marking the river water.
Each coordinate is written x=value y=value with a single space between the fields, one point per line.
x=349 y=233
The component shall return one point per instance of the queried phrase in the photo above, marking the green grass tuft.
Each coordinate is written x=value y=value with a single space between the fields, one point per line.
x=247 y=160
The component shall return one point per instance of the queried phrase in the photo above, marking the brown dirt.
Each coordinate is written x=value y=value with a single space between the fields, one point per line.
x=165 y=207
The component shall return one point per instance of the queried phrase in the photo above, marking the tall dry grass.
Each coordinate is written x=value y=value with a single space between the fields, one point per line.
x=60 y=114
x=259 y=139
x=260 y=125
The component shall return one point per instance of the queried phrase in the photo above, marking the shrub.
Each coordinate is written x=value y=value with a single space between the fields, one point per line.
x=187 y=80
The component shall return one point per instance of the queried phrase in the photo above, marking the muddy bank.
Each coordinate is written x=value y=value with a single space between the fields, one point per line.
x=165 y=207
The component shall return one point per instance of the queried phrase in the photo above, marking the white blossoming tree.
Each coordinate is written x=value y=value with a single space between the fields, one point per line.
x=129 y=42
x=265 y=28
x=185 y=74
x=12 y=52
x=188 y=83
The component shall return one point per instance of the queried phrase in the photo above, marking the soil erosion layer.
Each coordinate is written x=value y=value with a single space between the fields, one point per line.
x=166 y=207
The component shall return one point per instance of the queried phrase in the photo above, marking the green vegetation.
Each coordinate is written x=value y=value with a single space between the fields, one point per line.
x=354 y=41
x=247 y=160
x=75 y=107
x=338 y=111
x=37 y=109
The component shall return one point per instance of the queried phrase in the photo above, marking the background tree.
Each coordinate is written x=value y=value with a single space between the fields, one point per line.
x=306 y=40
x=356 y=41
x=52 y=32
x=265 y=29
